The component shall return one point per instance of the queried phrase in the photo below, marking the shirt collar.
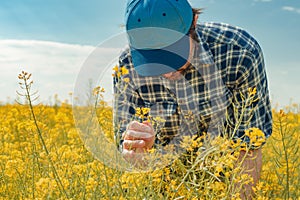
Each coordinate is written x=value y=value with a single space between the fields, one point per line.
x=202 y=54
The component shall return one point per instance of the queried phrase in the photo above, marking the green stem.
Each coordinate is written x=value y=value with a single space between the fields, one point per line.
x=286 y=158
x=33 y=170
x=199 y=158
x=57 y=178
x=239 y=122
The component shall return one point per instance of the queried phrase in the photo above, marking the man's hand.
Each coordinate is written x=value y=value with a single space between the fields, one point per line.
x=252 y=164
x=138 y=138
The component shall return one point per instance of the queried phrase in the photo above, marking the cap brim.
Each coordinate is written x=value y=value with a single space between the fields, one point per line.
x=154 y=62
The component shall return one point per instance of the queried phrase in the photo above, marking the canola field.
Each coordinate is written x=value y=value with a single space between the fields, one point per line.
x=43 y=157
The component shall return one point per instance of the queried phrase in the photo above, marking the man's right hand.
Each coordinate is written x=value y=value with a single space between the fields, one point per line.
x=138 y=138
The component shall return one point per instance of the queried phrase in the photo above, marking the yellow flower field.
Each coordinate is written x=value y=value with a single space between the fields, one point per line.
x=43 y=157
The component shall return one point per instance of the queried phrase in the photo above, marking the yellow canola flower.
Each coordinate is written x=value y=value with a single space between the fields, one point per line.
x=141 y=112
x=256 y=136
x=252 y=91
x=219 y=169
x=97 y=90
x=124 y=71
x=126 y=80
x=119 y=71
x=44 y=184
x=116 y=68
x=14 y=168
x=190 y=143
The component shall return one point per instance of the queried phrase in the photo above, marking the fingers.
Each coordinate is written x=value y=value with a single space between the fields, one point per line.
x=137 y=130
x=143 y=127
x=132 y=134
x=134 y=158
x=133 y=144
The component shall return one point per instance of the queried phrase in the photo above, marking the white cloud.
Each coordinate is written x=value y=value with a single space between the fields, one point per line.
x=288 y=8
x=54 y=66
x=291 y=9
x=51 y=57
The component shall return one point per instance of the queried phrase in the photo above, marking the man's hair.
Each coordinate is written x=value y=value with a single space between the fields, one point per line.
x=193 y=33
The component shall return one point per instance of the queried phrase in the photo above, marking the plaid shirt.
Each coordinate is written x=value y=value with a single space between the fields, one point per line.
x=211 y=93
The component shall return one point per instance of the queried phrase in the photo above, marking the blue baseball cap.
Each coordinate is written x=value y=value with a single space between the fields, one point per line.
x=158 y=34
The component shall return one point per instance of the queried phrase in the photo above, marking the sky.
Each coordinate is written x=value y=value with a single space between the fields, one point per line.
x=54 y=40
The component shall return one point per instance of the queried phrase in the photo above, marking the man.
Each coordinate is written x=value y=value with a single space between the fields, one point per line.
x=194 y=76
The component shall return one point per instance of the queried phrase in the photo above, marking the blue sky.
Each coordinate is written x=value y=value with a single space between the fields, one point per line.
x=52 y=39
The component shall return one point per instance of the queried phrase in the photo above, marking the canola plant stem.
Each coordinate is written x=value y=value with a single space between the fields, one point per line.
x=57 y=179
x=286 y=158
